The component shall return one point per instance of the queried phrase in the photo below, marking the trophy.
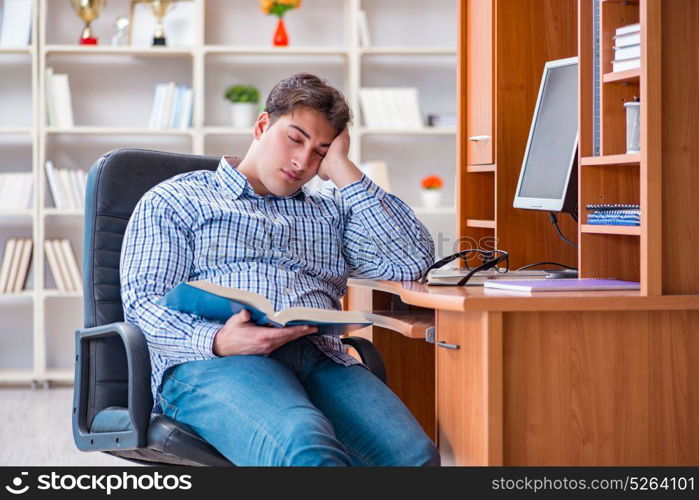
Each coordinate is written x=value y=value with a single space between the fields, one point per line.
x=120 y=38
x=160 y=8
x=88 y=10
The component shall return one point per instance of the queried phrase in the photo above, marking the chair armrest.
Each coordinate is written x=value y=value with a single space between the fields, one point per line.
x=369 y=354
x=139 y=391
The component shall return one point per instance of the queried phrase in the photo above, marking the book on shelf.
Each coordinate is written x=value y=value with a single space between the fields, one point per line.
x=16 y=191
x=15 y=264
x=630 y=52
x=67 y=187
x=172 y=107
x=626 y=64
x=628 y=29
x=63 y=265
x=59 y=107
x=7 y=255
x=24 y=261
x=16 y=23
x=391 y=107
x=54 y=266
x=615 y=214
x=561 y=285
x=363 y=29
x=219 y=303
x=627 y=40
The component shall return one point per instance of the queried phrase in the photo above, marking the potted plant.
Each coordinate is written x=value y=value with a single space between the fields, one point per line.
x=432 y=191
x=244 y=104
x=278 y=8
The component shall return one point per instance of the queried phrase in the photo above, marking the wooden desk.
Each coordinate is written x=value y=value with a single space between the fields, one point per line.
x=587 y=378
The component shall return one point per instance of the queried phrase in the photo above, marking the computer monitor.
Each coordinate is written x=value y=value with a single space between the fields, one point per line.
x=548 y=178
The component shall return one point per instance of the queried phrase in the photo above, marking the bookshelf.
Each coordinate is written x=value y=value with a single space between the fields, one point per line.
x=112 y=92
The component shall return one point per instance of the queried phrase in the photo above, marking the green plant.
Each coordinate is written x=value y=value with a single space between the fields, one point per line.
x=242 y=93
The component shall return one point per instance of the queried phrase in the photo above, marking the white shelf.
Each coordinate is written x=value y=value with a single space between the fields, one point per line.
x=9 y=375
x=58 y=294
x=16 y=50
x=417 y=51
x=64 y=213
x=274 y=51
x=17 y=213
x=118 y=51
x=227 y=131
x=15 y=131
x=116 y=131
x=23 y=296
x=404 y=131
x=60 y=374
x=434 y=211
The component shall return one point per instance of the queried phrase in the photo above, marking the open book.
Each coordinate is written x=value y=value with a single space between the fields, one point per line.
x=219 y=303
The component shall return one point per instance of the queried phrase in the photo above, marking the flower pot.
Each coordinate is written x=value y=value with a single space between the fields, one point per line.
x=281 y=39
x=243 y=114
x=431 y=198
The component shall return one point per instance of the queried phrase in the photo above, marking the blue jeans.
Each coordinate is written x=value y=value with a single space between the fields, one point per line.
x=295 y=407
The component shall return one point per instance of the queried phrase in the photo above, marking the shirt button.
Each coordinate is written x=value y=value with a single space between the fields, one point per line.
x=288 y=291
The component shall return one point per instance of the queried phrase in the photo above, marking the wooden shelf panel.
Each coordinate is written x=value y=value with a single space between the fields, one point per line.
x=485 y=224
x=628 y=76
x=626 y=159
x=411 y=324
x=476 y=169
x=619 y=230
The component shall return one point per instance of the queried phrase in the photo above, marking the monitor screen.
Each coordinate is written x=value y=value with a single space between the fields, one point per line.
x=550 y=156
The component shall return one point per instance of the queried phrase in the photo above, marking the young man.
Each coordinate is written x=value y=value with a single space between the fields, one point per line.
x=266 y=396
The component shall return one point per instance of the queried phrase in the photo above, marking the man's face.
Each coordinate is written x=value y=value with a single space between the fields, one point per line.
x=291 y=150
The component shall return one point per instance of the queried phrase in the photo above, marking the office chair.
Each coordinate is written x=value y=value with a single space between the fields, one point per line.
x=112 y=398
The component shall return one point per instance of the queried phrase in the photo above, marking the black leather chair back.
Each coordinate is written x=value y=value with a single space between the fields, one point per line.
x=115 y=184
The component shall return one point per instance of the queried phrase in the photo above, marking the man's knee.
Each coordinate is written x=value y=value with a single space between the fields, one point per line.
x=306 y=438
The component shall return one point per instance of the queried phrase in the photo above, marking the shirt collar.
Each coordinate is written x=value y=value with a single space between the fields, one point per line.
x=236 y=184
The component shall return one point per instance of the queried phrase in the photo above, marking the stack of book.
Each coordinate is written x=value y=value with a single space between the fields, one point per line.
x=16 y=191
x=59 y=106
x=615 y=215
x=172 y=107
x=67 y=187
x=397 y=107
x=14 y=268
x=63 y=265
x=16 y=24
x=627 y=48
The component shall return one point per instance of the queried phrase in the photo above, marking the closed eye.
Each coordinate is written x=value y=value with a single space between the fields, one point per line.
x=295 y=140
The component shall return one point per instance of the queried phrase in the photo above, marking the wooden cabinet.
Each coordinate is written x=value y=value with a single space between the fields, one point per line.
x=477 y=26
x=503 y=46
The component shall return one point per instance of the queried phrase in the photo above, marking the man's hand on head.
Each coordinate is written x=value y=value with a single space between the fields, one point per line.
x=336 y=165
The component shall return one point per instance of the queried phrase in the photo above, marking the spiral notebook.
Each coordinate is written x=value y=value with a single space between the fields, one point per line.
x=562 y=285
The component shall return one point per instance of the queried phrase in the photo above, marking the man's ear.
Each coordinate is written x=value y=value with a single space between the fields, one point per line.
x=261 y=124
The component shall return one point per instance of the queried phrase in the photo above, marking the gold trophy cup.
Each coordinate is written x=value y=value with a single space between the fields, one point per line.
x=88 y=10
x=160 y=8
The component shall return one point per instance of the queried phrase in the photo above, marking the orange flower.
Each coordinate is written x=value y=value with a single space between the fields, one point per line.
x=432 y=182
x=278 y=7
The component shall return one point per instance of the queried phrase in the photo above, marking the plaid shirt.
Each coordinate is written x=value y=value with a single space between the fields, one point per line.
x=297 y=250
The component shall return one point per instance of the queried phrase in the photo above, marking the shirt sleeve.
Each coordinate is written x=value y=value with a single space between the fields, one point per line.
x=156 y=256
x=383 y=239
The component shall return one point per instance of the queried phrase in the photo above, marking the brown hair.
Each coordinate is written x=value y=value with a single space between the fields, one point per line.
x=306 y=90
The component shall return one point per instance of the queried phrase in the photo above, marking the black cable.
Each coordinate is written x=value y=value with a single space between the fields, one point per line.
x=554 y=221
x=546 y=263
x=574 y=215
